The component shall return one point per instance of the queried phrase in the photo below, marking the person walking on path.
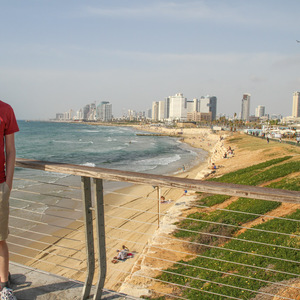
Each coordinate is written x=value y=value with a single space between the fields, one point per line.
x=8 y=126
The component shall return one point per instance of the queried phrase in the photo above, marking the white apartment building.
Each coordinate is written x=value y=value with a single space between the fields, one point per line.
x=104 y=111
x=161 y=110
x=245 y=113
x=178 y=108
x=78 y=115
x=296 y=105
x=260 y=111
x=192 y=105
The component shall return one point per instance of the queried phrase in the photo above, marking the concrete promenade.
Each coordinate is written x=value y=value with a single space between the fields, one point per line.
x=31 y=284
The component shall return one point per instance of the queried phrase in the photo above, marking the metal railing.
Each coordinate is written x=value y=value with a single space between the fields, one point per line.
x=80 y=229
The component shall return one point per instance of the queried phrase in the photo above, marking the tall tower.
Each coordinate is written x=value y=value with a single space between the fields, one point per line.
x=104 y=111
x=260 y=111
x=245 y=113
x=161 y=110
x=296 y=105
x=155 y=111
x=209 y=104
x=178 y=107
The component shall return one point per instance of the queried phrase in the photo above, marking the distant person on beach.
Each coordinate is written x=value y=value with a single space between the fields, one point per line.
x=213 y=166
x=122 y=255
x=8 y=126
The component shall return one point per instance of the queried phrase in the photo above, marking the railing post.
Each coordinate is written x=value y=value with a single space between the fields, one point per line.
x=88 y=218
x=99 y=214
x=158 y=199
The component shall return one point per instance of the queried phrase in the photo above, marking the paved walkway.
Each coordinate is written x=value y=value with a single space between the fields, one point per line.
x=31 y=284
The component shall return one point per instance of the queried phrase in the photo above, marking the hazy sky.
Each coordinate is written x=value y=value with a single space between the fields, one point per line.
x=62 y=54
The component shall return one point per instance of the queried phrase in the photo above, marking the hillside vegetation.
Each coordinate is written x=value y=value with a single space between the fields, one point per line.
x=238 y=264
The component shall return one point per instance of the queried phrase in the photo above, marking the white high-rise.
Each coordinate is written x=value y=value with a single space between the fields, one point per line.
x=245 y=113
x=260 y=111
x=104 y=111
x=193 y=105
x=296 y=105
x=161 y=110
x=178 y=107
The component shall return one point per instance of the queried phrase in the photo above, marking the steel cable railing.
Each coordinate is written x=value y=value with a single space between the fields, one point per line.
x=48 y=220
x=199 y=290
x=221 y=236
x=211 y=258
x=195 y=263
x=186 y=253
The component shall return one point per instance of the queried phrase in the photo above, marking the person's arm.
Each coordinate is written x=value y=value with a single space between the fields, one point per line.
x=10 y=152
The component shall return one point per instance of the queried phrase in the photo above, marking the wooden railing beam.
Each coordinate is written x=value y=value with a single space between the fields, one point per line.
x=230 y=189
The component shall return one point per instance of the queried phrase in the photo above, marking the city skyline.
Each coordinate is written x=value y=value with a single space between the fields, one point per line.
x=179 y=108
x=61 y=54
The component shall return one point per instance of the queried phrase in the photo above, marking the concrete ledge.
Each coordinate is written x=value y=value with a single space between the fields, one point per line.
x=31 y=284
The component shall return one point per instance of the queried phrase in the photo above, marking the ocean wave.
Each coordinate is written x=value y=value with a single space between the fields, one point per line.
x=88 y=130
x=143 y=168
x=88 y=164
x=162 y=161
x=117 y=148
x=109 y=139
x=73 y=142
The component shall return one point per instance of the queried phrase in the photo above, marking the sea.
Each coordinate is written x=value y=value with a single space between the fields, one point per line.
x=112 y=147
x=49 y=197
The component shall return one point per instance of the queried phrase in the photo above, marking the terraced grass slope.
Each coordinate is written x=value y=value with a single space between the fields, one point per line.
x=265 y=254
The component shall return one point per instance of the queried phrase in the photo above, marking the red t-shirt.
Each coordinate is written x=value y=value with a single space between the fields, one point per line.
x=8 y=125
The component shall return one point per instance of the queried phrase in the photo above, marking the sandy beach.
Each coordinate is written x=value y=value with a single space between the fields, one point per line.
x=131 y=216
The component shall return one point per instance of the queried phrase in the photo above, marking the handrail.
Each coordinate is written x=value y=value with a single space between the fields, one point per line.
x=230 y=189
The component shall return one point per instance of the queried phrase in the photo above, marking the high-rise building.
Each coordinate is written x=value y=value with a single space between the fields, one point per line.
x=193 y=105
x=167 y=107
x=86 y=111
x=209 y=104
x=245 y=113
x=260 y=111
x=149 y=113
x=178 y=107
x=161 y=110
x=296 y=105
x=104 y=111
x=155 y=111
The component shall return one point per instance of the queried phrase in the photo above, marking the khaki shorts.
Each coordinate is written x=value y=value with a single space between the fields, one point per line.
x=4 y=210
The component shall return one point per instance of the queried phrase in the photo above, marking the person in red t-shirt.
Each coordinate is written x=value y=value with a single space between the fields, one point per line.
x=8 y=126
